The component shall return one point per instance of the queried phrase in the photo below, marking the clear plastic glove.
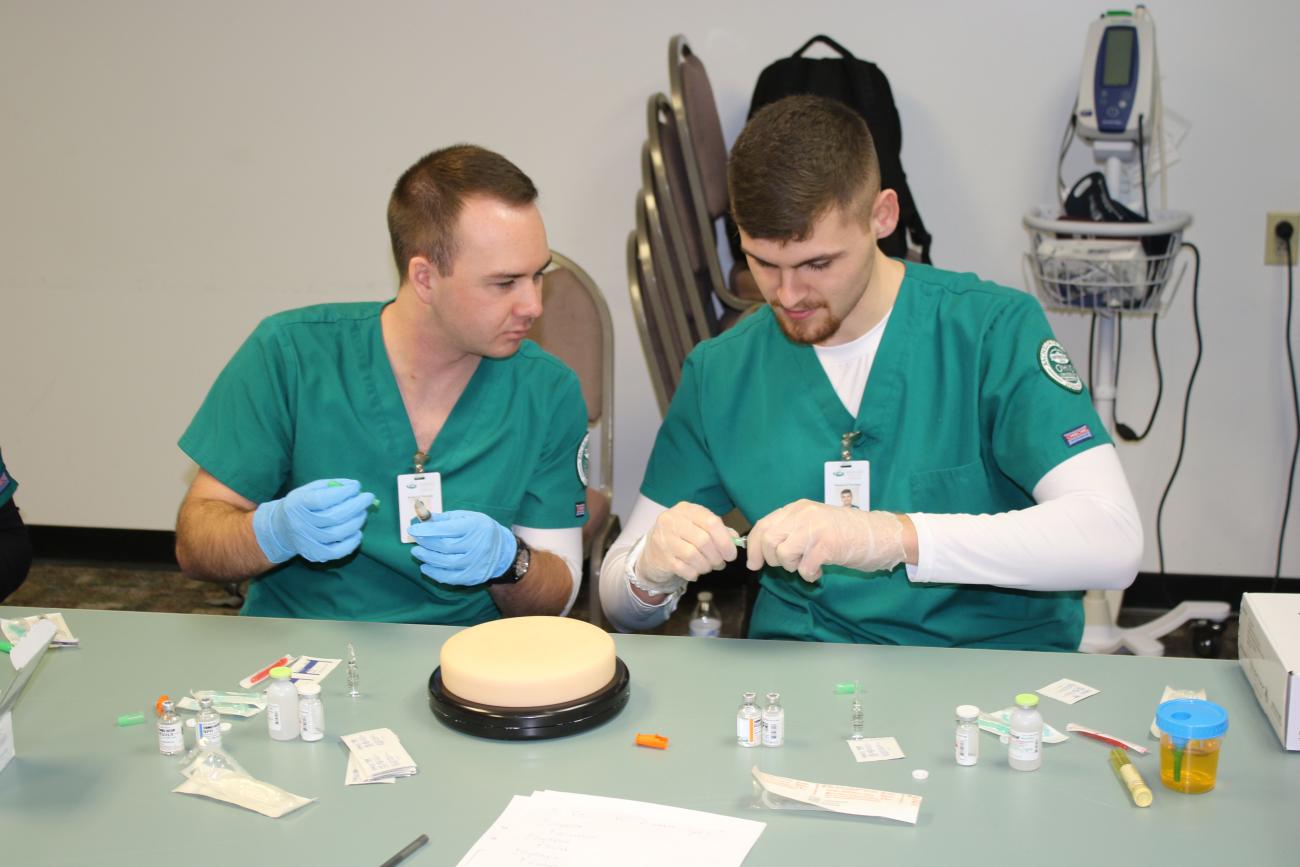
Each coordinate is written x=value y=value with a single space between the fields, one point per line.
x=685 y=542
x=804 y=536
x=321 y=521
x=462 y=548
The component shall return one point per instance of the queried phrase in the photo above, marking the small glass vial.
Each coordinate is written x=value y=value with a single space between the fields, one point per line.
x=354 y=678
x=282 y=705
x=207 y=725
x=1026 y=750
x=311 y=713
x=749 y=722
x=968 y=735
x=171 y=733
x=773 y=721
x=857 y=721
x=705 y=622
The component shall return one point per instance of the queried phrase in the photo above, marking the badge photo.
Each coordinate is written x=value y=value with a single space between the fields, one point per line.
x=419 y=497
x=847 y=484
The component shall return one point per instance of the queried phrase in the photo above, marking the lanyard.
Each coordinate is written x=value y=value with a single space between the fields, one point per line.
x=846 y=444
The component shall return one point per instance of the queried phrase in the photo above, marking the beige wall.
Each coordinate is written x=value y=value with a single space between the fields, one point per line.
x=172 y=172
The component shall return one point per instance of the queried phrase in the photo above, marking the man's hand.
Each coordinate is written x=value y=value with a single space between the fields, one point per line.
x=685 y=542
x=320 y=521
x=804 y=536
x=462 y=548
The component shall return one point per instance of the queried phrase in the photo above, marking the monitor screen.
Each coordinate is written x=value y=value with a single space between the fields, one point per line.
x=1118 y=53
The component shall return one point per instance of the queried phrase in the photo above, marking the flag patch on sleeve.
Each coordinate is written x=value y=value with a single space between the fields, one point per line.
x=580 y=509
x=1080 y=434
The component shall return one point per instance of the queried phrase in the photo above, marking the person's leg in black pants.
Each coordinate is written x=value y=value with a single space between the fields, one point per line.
x=15 y=549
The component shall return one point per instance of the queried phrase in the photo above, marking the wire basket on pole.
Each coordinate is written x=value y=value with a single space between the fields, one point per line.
x=1100 y=267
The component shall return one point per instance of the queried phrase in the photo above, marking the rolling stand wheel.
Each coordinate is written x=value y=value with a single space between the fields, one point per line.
x=1207 y=639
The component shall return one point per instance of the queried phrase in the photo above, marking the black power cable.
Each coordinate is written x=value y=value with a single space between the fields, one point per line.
x=1125 y=432
x=1187 y=400
x=1066 y=140
x=1092 y=338
x=1284 y=230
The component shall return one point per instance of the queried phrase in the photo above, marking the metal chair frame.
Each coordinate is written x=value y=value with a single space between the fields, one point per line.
x=678 y=50
x=673 y=203
x=605 y=535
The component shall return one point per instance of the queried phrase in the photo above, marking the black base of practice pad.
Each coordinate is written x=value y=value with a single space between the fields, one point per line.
x=529 y=723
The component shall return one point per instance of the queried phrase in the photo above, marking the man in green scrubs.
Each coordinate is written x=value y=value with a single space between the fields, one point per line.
x=331 y=422
x=15 y=545
x=988 y=493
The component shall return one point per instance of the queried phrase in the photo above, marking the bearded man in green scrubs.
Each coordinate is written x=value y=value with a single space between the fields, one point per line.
x=338 y=430
x=989 y=494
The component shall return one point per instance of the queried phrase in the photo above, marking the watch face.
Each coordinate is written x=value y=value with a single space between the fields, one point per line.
x=523 y=558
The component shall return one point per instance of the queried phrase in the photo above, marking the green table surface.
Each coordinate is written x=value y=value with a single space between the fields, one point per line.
x=83 y=791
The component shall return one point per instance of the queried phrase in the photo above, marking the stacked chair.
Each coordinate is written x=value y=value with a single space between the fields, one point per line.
x=576 y=328
x=679 y=296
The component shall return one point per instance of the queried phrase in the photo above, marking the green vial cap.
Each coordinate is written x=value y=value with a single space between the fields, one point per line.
x=333 y=483
x=1027 y=699
x=130 y=719
x=281 y=672
x=846 y=688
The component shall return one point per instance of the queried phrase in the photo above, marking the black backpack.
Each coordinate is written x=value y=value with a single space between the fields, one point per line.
x=862 y=86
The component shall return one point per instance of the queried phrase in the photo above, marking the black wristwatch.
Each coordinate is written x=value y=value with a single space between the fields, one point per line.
x=519 y=567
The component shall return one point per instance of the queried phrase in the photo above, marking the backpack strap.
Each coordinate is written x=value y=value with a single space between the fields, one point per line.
x=827 y=41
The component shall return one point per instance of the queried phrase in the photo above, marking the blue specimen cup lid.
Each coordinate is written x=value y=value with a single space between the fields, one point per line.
x=1191 y=719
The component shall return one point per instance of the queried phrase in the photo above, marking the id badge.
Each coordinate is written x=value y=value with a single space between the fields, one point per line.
x=848 y=483
x=419 y=495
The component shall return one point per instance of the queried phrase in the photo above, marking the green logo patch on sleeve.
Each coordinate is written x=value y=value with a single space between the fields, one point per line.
x=1058 y=366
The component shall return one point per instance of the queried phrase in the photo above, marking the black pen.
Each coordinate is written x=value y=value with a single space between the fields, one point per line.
x=402 y=856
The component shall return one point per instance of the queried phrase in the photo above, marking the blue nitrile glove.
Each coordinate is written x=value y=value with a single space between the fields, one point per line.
x=462 y=547
x=322 y=521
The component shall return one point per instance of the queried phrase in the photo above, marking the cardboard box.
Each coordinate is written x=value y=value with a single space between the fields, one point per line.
x=1268 y=646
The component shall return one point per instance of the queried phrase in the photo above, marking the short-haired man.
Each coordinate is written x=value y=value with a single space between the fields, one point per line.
x=989 y=492
x=322 y=406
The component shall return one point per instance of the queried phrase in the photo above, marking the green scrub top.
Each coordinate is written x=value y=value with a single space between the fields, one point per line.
x=311 y=395
x=970 y=401
x=8 y=484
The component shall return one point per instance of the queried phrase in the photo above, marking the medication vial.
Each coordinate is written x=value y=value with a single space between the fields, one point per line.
x=773 y=721
x=968 y=734
x=282 y=705
x=171 y=733
x=207 y=725
x=705 y=622
x=1026 y=750
x=311 y=713
x=749 y=722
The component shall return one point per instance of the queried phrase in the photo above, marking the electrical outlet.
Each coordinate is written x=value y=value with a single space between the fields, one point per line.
x=1274 y=253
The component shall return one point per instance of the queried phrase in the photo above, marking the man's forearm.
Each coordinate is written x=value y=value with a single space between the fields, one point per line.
x=545 y=589
x=215 y=542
